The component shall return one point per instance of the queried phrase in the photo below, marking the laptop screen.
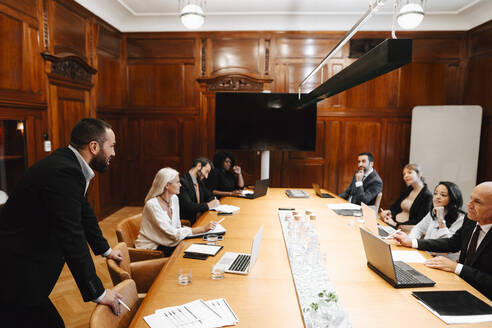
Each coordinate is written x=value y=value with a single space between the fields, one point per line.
x=378 y=253
x=370 y=216
x=255 y=248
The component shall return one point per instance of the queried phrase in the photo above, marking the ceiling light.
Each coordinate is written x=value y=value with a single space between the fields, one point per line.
x=411 y=13
x=192 y=15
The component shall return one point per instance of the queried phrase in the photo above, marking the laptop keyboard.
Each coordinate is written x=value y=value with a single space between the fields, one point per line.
x=405 y=277
x=240 y=263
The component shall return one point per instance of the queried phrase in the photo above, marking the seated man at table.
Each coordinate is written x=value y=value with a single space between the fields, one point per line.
x=194 y=197
x=473 y=239
x=366 y=183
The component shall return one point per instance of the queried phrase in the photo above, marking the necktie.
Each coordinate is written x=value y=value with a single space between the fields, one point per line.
x=472 y=248
x=197 y=191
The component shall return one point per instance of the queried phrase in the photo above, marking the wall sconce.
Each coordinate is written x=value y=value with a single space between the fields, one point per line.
x=191 y=13
x=20 y=127
x=411 y=13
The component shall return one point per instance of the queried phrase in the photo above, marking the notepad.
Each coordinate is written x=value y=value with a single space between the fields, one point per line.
x=225 y=208
x=219 y=230
x=211 y=250
x=455 y=306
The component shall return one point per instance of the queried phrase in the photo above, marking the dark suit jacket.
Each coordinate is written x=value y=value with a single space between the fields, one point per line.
x=188 y=205
x=479 y=272
x=367 y=193
x=221 y=180
x=420 y=206
x=46 y=222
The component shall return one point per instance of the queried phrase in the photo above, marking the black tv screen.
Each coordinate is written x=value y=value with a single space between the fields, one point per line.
x=263 y=121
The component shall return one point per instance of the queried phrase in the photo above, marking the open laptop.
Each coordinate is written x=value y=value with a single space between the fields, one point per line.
x=370 y=215
x=318 y=192
x=380 y=260
x=261 y=188
x=239 y=262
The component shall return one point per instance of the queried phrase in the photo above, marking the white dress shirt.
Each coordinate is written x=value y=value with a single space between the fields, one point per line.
x=158 y=228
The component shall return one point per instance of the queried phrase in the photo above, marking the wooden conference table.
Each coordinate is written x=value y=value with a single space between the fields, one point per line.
x=267 y=296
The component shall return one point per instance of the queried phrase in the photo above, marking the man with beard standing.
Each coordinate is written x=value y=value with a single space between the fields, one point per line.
x=48 y=221
x=366 y=183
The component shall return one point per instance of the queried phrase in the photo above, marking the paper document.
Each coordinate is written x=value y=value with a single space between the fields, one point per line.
x=219 y=230
x=247 y=192
x=344 y=206
x=203 y=249
x=408 y=256
x=225 y=208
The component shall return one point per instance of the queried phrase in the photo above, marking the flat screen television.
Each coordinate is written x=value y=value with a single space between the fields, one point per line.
x=263 y=121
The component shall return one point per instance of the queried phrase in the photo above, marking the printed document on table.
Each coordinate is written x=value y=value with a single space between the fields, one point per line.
x=219 y=230
x=344 y=206
x=225 y=208
x=408 y=256
x=247 y=192
x=203 y=249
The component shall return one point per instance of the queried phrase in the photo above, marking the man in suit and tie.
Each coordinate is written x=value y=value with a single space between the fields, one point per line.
x=473 y=239
x=194 y=197
x=366 y=183
x=47 y=222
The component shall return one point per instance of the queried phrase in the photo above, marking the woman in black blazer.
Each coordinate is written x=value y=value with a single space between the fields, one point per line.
x=414 y=202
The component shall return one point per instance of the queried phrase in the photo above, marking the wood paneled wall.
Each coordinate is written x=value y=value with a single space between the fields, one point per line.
x=157 y=90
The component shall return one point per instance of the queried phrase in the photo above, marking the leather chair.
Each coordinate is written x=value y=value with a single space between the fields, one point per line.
x=143 y=272
x=103 y=316
x=127 y=232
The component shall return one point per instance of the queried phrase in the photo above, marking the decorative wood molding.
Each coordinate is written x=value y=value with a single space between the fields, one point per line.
x=234 y=82
x=204 y=57
x=46 y=38
x=70 y=66
x=267 y=56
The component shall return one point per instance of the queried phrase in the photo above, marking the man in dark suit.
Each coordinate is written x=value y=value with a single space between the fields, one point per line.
x=194 y=197
x=366 y=183
x=47 y=222
x=473 y=239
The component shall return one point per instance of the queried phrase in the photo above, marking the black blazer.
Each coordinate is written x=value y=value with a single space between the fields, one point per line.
x=188 y=205
x=46 y=222
x=420 y=206
x=221 y=180
x=479 y=272
x=367 y=193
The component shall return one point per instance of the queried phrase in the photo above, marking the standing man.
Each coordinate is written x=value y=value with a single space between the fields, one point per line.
x=47 y=222
x=194 y=197
x=366 y=183
x=473 y=239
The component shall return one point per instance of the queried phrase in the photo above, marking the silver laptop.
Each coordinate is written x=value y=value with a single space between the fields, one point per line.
x=380 y=260
x=371 y=218
x=239 y=262
x=261 y=188
x=318 y=192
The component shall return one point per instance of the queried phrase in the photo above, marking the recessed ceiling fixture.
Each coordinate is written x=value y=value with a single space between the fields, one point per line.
x=191 y=13
x=411 y=13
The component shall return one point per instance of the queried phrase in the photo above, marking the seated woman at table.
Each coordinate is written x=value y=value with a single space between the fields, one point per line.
x=414 y=203
x=161 y=227
x=445 y=216
x=221 y=180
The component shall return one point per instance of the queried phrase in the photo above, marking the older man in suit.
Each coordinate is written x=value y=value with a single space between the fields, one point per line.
x=366 y=183
x=47 y=222
x=473 y=239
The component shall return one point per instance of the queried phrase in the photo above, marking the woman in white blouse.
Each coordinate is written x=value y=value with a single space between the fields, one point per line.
x=161 y=227
x=445 y=216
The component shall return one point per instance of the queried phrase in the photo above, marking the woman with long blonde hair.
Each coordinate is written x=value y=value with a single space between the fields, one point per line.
x=161 y=226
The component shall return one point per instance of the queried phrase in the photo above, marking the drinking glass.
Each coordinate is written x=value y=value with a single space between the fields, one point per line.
x=184 y=276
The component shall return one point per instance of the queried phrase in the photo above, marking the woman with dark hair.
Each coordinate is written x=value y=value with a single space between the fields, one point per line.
x=414 y=203
x=226 y=178
x=445 y=216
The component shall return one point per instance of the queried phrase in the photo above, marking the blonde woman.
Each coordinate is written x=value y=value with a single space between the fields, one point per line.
x=161 y=227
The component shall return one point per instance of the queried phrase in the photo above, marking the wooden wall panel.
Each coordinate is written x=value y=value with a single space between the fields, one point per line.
x=140 y=47
x=235 y=55
x=109 y=82
x=28 y=7
x=11 y=32
x=69 y=32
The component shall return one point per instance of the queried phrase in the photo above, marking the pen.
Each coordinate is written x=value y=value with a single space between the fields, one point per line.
x=124 y=305
x=220 y=220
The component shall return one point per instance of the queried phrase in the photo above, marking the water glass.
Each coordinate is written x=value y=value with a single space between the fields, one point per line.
x=184 y=276
x=211 y=239
x=218 y=271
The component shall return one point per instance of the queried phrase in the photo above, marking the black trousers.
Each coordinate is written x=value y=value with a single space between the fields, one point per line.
x=28 y=316
x=166 y=250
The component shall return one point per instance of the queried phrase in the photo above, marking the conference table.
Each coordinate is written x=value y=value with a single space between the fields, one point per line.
x=267 y=296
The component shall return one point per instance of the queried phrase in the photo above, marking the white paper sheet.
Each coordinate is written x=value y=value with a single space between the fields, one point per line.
x=344 y=206
x=408 y=256
x=226 y=208
x=203 y=249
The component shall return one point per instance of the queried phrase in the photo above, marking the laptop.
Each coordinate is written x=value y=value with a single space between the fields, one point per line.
x=261 y=188
x=239 y=262
x=318 y=192
x=380 y=260
x=370 y=215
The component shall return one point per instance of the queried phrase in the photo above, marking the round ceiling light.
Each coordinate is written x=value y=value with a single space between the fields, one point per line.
x=192 y=16
x=411 y=15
